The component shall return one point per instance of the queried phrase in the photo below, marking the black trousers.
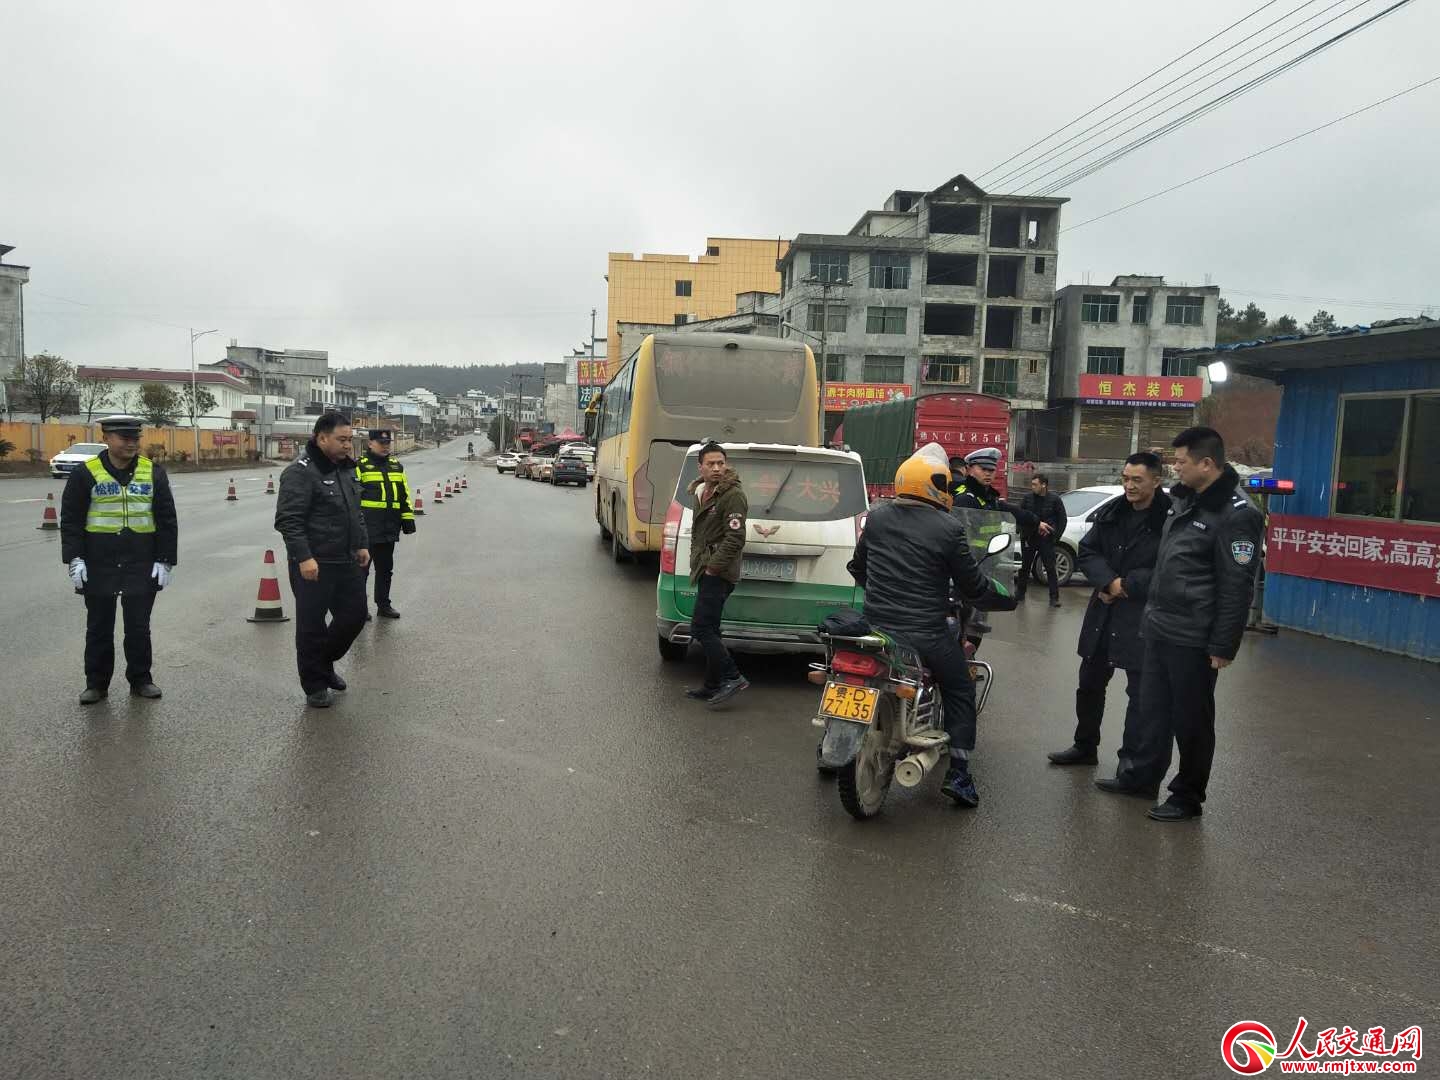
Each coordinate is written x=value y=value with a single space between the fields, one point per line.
x=100 y=636
x=1177 y=705
x=339 y=592
x=1044 y=550
x=945 y=658
x=382 y=558
x=710 y=599
x=1095 y=675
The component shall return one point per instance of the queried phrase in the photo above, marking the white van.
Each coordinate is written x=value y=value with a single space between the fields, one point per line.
x=807 y=507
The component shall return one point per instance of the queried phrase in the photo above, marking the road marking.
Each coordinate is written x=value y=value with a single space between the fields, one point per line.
x=14 y=502
x=1061 y=908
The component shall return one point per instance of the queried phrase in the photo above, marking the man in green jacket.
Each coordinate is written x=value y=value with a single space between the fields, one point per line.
x=717 y=543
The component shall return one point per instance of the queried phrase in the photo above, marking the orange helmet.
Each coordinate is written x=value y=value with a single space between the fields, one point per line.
x=925 y=479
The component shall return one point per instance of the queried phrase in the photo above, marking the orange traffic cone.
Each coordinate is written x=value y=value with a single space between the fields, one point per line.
x=267 y=600
x=438 y=496
x=230 y=495
x=270 y=485
x=464 y=483
x=418 y=506
x=448 y=493
x=457 y=485
x=48 y=520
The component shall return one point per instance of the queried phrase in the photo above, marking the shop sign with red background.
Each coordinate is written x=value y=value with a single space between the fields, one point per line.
x=1147 y=390
x=1355 y=551
x=840 y=396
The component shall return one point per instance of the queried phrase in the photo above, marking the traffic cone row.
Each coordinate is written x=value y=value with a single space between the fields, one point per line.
x=418 y=506
x=457 y=485
x=448 y=493
x=270 y=485
x=230 y=495
x=438 y=496
x=48 y=520
x=464 y=482
x=267 y=601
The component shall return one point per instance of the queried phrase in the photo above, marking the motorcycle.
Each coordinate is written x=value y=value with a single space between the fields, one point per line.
x=881 y=711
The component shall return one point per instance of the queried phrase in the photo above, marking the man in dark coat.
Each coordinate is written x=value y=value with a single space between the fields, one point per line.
x=119 y=537
x=1117 y=555
x=1039 y=545
x=385 y=499
x=1195 y=616
x=318 y=513
x=717 y=547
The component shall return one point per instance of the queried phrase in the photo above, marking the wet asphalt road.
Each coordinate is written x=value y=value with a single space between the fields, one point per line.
x=515 y=850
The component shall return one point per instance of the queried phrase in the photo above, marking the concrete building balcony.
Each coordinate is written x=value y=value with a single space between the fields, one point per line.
x=952 y=294
x=947 y=343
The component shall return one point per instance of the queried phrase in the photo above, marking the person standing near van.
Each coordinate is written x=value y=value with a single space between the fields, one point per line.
x=717 y=545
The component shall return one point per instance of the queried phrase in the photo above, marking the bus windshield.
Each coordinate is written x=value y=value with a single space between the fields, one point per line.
x=688 y=380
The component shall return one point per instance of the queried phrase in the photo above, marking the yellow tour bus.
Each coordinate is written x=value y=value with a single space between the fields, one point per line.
x=680 y=389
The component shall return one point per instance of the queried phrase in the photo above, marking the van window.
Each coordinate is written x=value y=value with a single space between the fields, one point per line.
x=798 y=488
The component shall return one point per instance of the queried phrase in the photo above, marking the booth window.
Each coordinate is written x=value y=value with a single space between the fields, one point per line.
x=1388 y=464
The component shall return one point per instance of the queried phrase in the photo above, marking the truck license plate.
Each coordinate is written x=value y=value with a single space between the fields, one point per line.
x=849 y=702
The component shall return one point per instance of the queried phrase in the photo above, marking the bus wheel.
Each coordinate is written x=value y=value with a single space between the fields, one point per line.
x=604 y=532
x=617 y=549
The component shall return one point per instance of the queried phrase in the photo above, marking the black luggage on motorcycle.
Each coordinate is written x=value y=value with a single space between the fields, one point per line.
x=846 y=622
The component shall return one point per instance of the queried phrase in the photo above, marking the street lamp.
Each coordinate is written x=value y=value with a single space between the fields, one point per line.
x=1218 y=371
x=194 y=400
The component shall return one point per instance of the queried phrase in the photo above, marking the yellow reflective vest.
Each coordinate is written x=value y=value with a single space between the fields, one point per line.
x=115 y=506
x=383 y=486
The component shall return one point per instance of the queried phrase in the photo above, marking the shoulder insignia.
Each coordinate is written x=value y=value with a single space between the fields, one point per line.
x=1242 y=551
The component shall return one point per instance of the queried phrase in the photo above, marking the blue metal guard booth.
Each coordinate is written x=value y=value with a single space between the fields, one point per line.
x=1354 y=553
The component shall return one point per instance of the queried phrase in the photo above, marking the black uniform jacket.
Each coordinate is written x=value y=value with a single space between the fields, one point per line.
x=318 y=509
x=115 y=562
x=1123 y=543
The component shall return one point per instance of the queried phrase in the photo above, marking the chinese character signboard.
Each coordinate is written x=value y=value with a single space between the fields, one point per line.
x=591 y=372
x=587 y=394
x=840 y=396
x=1354 y=551
x=1150 y=391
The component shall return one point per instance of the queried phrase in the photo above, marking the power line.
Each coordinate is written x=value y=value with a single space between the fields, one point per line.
x=1223 y=99
x=1040 y=159
x=1122 y=93
x=1251 y=157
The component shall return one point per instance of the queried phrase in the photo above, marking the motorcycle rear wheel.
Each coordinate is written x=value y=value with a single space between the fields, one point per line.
x=864 y=781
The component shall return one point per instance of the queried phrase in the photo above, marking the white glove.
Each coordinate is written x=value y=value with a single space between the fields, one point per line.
x=78 y=573
x=161 y=573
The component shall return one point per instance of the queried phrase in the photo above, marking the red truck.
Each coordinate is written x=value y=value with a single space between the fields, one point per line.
x=886 y=434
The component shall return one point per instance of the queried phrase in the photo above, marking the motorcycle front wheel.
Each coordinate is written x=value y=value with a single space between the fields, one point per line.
x=865 y=780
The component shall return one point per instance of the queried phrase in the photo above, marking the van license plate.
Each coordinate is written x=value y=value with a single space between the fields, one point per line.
x=849 y=702
x=759 y=568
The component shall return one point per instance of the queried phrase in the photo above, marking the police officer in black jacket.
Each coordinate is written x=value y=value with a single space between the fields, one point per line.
x=385 y=499
x=119 y=538
x=1117 y=555
x=1194 y=620
x=318 y=513
x=1051 y=519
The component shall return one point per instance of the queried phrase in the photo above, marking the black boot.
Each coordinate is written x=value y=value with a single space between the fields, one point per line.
x=1075 y=755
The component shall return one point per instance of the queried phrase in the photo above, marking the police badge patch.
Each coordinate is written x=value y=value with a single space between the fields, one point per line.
x=1242 y=551
x=735 y=522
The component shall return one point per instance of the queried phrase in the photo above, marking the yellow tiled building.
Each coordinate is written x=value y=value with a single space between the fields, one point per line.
x=660 y=288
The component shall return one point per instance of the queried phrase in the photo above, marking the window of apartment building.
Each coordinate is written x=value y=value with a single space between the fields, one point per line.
x=1039 y=264
x=1388 y=465
x=1185 y=310
x=1099 y=307
x=885 y=320
x=834 y=367
x=889 y=270
x=1037 y=316
x=831 y=266
x=838 y=318
x=683 y=288
x=1104 y=360
x=1140 y=309
x=952 y=370
x=1172 y=363
x=1034 y=365
x=681 y=320
x=884 y=369
x=1002 y=376
x=712 y=250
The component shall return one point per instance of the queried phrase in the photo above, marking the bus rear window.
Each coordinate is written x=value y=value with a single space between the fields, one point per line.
x=720 y=381
x=793 y=488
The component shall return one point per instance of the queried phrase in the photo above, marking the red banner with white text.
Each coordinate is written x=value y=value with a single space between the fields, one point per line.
x=1353 y=551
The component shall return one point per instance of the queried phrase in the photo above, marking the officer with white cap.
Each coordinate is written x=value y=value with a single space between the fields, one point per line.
x=119 y=538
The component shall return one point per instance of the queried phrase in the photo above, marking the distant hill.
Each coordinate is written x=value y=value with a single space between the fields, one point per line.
x=442 y=379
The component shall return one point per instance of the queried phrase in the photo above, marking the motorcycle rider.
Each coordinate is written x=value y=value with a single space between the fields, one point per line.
x=909 y=553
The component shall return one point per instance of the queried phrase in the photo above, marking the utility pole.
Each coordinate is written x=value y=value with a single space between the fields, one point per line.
x=825 y=286
x=194 y=402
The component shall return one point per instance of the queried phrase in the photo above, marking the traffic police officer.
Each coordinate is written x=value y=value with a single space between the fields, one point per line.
x=318 y=513
x=385 y=498
x=119 y=537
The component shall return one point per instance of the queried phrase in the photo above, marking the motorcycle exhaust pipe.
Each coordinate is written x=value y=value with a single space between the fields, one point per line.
x=912 y=770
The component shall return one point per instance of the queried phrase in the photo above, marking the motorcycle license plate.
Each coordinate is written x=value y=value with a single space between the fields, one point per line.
x=849 y=702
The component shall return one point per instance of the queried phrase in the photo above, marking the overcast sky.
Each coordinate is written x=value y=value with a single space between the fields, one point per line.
x=439 y=183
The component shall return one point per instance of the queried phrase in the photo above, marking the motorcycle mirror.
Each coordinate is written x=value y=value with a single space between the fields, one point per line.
x=998 y=543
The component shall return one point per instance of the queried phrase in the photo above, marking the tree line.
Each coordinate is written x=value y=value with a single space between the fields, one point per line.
x=49 y=386
x=1252 y=323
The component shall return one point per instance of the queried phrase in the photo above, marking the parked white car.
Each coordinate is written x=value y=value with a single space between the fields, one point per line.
x=74 y=457
x=506 y=462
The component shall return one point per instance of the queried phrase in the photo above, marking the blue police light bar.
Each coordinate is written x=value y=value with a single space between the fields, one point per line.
x=1271 y=485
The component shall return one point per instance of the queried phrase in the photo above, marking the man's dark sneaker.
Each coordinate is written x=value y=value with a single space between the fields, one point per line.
x=320 y=699
x=388 y=612
x=728 y=689
x=91 y=694
x=145 y=690
x=1055 y=601
x=1076 y=755
x=1115 y=786
x=960 y=786
x=1170 y=810
x=700 y=693
x=335 y=681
